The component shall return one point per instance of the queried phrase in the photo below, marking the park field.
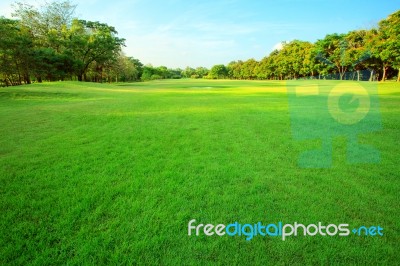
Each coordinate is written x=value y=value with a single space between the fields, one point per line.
x=94 y=174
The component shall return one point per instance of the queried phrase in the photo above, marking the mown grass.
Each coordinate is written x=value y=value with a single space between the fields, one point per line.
x=112 y=174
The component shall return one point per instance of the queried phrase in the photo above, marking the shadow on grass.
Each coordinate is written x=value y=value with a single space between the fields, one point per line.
x=36 y=95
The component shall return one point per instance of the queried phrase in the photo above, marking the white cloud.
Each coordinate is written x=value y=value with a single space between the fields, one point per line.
x=278 y=46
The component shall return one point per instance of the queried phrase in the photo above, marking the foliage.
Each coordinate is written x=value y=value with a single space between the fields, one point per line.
x=48 y=43
x=376 y=50
x=218 y=72
x=161 y=72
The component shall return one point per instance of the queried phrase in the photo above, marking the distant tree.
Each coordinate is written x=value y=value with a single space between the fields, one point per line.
x=148 y=72
x=218 y=72
x=295 y=59
x=162 y=72
x=138 y=66
x=235 y=69
x=123 y=69
x=201 y=72
x=309 y=64
x=175 y=73
x=49 y=43
x=268 y=66
x=188 y=72
x=263 y=68
x=248 y=69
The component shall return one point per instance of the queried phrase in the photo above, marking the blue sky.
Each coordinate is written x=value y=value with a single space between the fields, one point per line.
x=180 y=33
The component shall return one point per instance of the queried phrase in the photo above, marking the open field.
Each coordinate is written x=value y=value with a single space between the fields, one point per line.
x=99 y=173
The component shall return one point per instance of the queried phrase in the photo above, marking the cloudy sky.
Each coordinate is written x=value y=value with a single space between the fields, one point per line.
x=180 y=33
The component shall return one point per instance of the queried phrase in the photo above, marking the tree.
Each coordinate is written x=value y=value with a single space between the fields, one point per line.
x=162 y=72
x=235 y=69
x=263 y=68
x=248 y=69
x=201 y=72
x=188 y=72
x=175 y=73
x=49 y=65
x=148 y=72
x=48 y=43
x=332 y=50
x=46 y=24
x=16 y=53
x=387 y=43
x=124 y=69
x=218 y=72
x=268 y=66
x=91 y=42
x=295 y=59
x=358 y=51
x=59 y=39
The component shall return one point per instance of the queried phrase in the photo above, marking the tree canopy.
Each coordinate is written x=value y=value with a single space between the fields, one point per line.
x=376 y=50
x=51 y=43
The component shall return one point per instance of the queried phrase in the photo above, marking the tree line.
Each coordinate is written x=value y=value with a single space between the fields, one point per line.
x=376 y=50
x=49 y=43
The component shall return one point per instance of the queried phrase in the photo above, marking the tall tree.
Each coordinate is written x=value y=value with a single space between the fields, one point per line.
x=16 y=52
x=358 y=51
x=333 y=50
x=46 y=23
x=388 y=43
x=91 y=42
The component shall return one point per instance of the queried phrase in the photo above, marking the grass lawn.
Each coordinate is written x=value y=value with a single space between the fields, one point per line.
x=112 y=174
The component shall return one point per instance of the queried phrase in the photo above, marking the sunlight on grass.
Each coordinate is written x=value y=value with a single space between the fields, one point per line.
x=99 y=174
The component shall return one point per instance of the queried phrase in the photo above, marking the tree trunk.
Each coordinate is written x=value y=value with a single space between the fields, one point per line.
x=7 y=81
x=353 y=75
x=398 y=76
x=384 y=73
x=358 y=75
x=27 y=79
x=19 y=79
x=371 y=75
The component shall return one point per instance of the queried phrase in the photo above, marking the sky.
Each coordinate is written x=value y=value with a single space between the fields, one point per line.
x=180 y=33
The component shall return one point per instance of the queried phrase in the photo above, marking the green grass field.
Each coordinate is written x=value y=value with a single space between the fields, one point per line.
x=112 y=174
